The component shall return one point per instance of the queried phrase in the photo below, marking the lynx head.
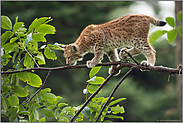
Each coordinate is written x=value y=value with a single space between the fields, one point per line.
x=71 y=54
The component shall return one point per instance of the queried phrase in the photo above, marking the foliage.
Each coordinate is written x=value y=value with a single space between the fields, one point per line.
x=21 y=49
x=171 y=34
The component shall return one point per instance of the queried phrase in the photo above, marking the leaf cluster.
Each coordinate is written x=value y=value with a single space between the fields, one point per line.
x=171 y=34
x=94 y=107
x=26 y=48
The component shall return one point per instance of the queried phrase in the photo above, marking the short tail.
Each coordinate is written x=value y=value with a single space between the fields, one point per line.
x=155 y=21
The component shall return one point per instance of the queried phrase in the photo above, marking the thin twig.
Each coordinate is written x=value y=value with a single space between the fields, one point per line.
x=28 y=52
x=90 y=98
x=61 y=63
x=38 y=90
x=113 y=91
x=95 y=93
x=125 y=64
x=132 y=57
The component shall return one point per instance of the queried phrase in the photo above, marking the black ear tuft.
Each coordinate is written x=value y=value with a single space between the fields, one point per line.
x=73 y=48
x=162 y=23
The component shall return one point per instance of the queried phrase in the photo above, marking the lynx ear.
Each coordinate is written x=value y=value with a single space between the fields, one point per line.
x=73 y=48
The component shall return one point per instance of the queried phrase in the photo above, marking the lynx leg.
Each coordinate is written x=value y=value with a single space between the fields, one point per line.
x=96 y=59
x=113 y=56
x=148 y=51
x=133 y=51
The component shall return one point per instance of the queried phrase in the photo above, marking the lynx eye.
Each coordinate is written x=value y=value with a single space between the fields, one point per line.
x=68 y=58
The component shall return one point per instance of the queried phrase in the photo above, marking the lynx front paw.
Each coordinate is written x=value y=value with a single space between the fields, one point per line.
x=90 y=64
x=122 y=53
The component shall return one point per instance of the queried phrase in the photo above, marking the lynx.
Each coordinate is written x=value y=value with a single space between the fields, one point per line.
x=130 y=31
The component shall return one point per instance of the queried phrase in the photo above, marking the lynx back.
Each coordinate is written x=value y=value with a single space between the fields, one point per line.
x=130 y=31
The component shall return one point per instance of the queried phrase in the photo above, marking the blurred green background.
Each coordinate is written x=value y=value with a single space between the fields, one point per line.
x=149 y=96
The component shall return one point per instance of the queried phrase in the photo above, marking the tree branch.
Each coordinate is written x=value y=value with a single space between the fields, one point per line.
x=125 y=64
x=113 y=91
x=96 y=92
x=38 y=90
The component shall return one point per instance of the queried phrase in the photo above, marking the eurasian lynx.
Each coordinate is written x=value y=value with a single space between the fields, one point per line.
x=127 y=31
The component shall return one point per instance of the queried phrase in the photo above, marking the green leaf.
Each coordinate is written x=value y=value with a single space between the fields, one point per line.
x=8 y=47
x=51 y=107
x=31 y=117
x=16 y=19
x=79 y=119
x=6 y=23
x=17 y=26
x=24 y=76
x=22 y=120
x=27 y=60
x=170 y=21
x=86 y=112
x=62 y=104
x=35 y=113
x=56 y=113
x=103 y=101
x=46 y=29
x=57 y=100
x=179 y=16
x=42 y=119
x=118 y=109
x=22 y=29
x=92 y=88
x=13 y=80
x=171 y=35
x=55 y=46
x=14 y=101
x=39 y=37
x=45 y=90
x=12 y=112
x=114 y=116
x=5 y=36
x=94 y=109
x=31 y=26
x=116 y=101
x=96 y=80
x=3 y=104
x=39 y=21
x=21 y=92
x=47 y=112
x=180 y=31
x=41 y=60
x=94 y=71
x=155 y=35
x=63 y=119
x=24 y=112
x=49 y=96
x=13 y=39
x=35 y=80
x=50 y=54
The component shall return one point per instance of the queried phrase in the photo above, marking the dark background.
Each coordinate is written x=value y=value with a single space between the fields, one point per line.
x=149 y=96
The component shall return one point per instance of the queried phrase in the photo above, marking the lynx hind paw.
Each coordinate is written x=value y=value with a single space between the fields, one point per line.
x=111 y=69
x=145 y=63
x=90 y=64
x=122 y=53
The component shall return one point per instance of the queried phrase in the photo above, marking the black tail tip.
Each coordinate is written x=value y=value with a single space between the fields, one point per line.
x=162 y=23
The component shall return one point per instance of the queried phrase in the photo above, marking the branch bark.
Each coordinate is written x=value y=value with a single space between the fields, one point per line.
x=125 y=64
